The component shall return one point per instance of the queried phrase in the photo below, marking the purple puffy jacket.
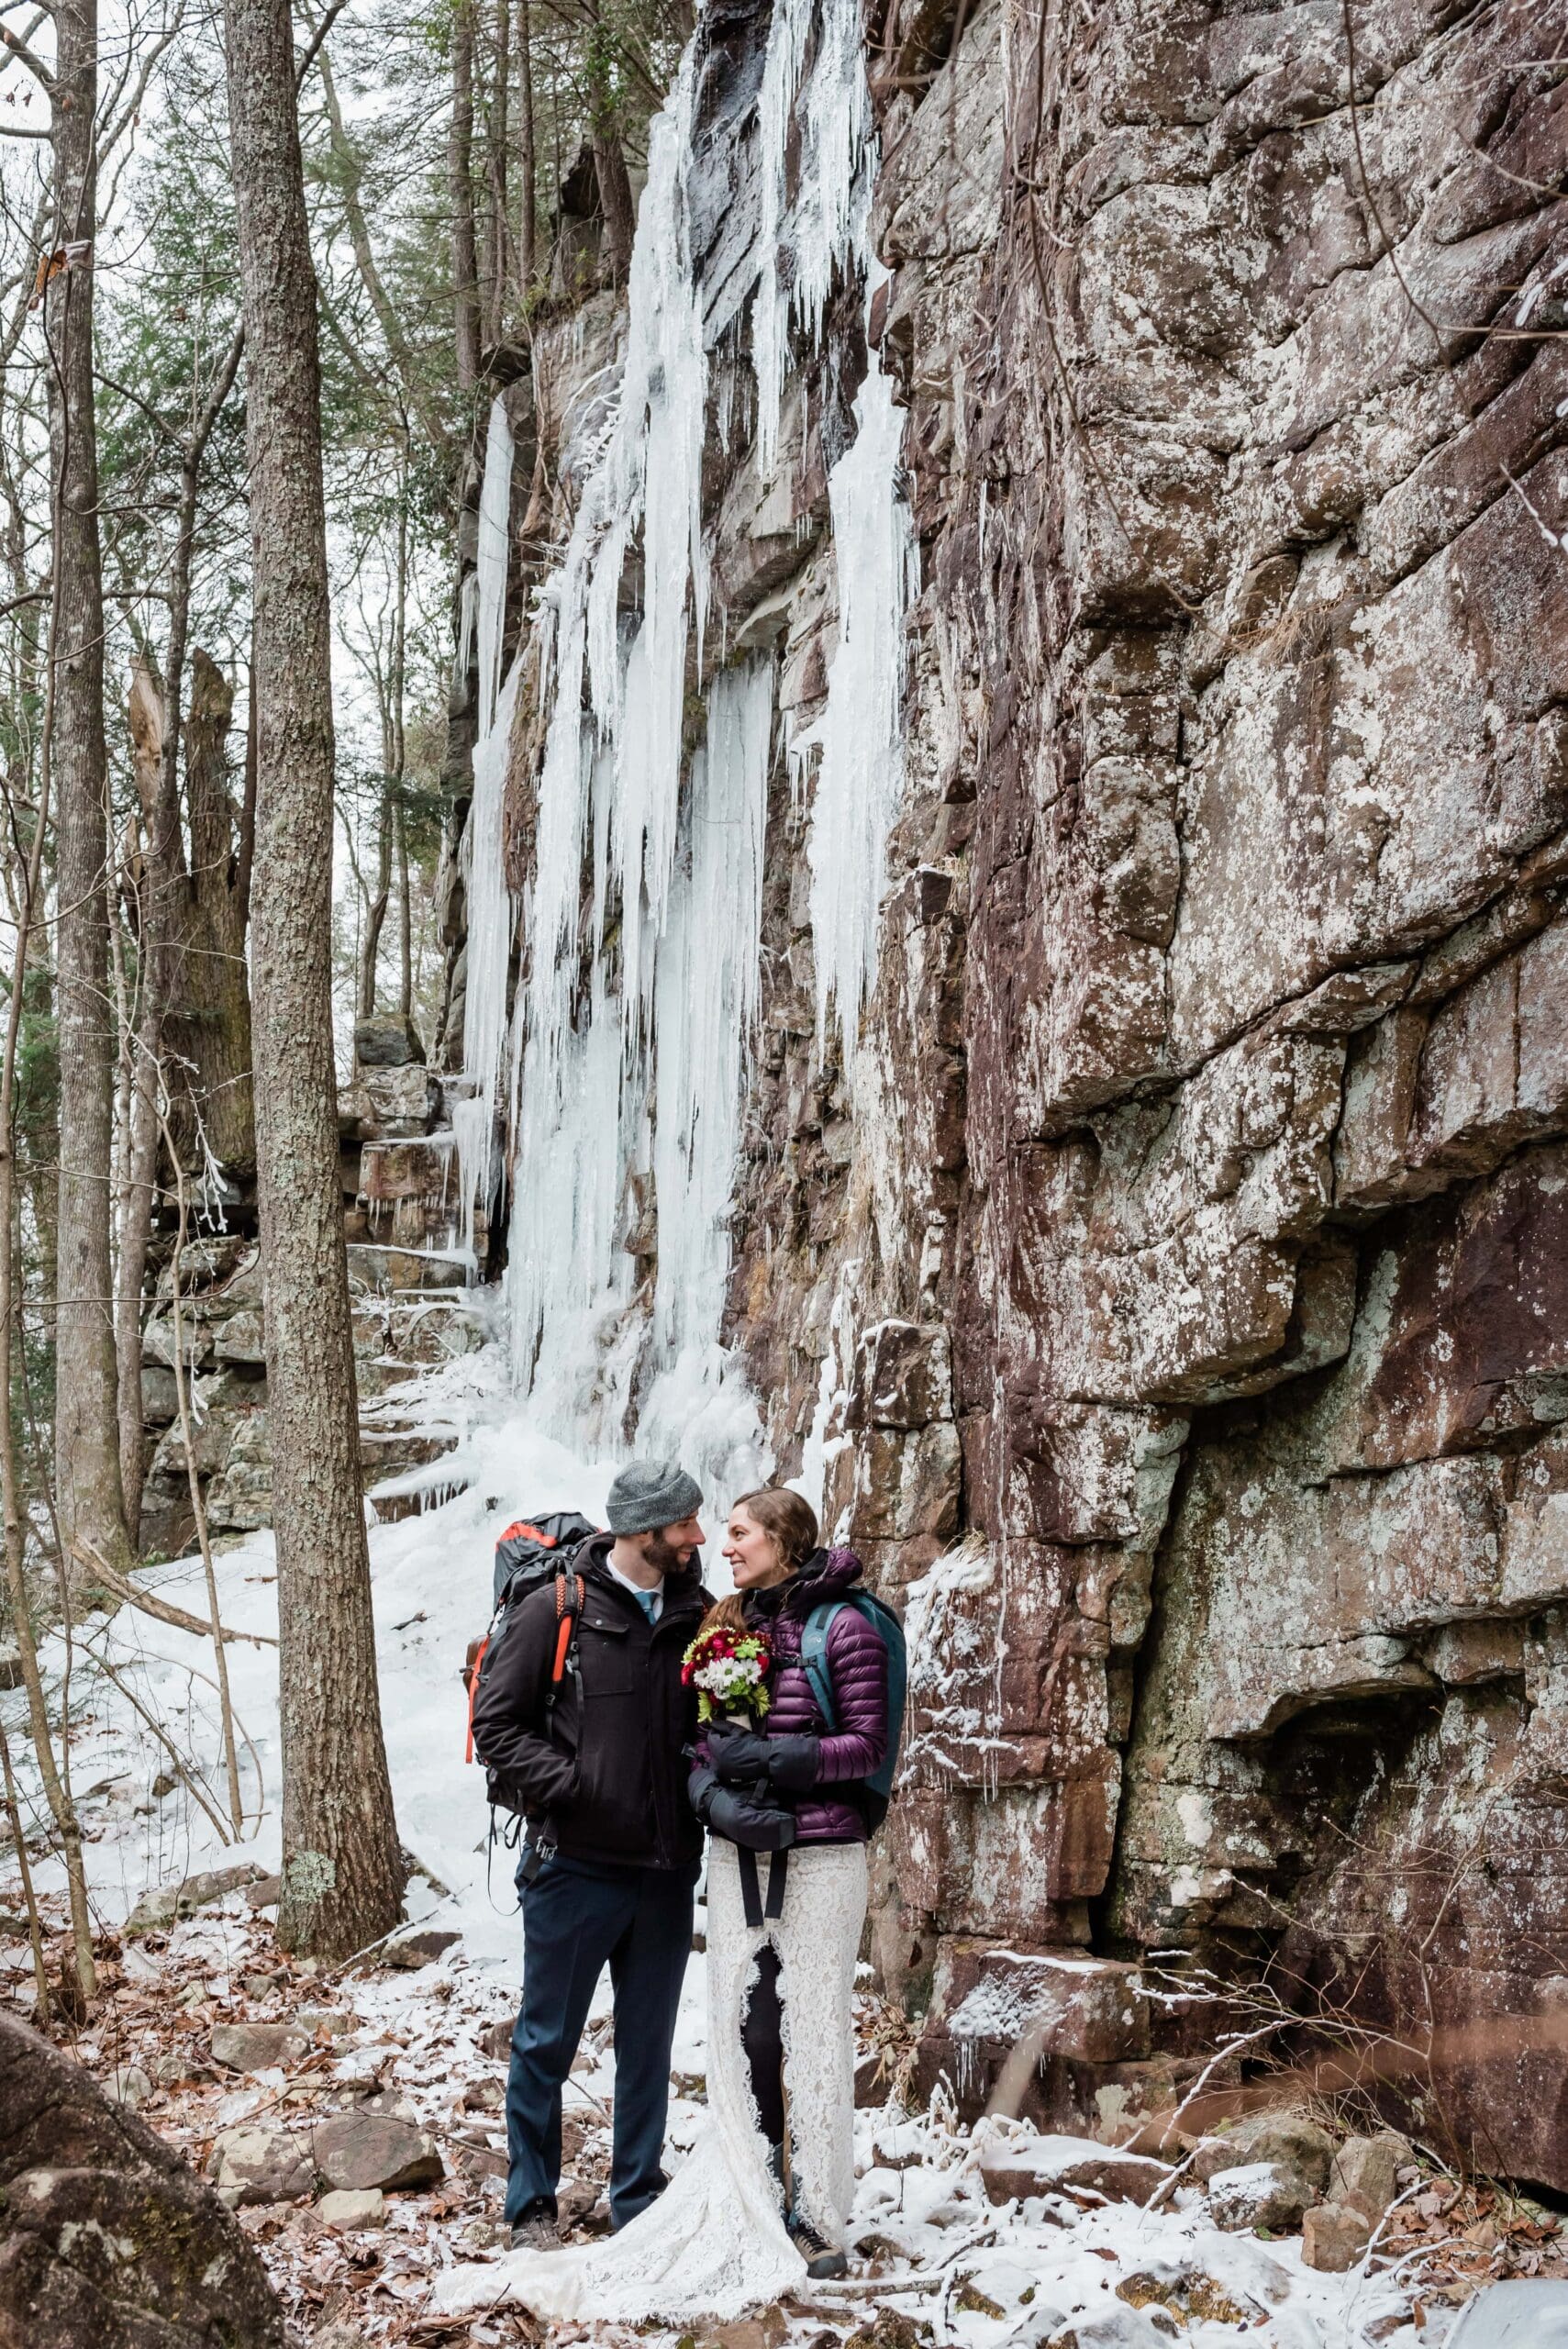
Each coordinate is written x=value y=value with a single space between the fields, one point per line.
x=857 y=1666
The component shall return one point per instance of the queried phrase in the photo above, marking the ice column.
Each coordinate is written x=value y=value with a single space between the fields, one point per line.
x=706 y=1011
x=490 y=907
x=860 y=736
x=609 y=793
x=824 y=233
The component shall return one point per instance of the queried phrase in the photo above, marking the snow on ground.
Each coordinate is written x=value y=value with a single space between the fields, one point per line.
x=1056 y=2272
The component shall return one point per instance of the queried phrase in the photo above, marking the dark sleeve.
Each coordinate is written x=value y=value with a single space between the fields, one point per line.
x=508 y=1710
x=857 y=1666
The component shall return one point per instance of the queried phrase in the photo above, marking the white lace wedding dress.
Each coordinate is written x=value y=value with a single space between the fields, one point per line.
x=714 y=2244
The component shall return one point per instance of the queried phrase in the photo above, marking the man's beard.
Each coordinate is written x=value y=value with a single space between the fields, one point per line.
x=664 y=1557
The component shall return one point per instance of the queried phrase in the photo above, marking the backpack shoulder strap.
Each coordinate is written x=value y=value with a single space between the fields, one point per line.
x=568 y=1608
x=814 y=1657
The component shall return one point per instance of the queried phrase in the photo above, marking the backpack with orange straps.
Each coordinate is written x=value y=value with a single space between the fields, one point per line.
x=528 y=1554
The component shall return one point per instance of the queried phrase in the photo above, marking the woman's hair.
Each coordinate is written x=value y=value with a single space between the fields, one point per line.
x=790 y=1518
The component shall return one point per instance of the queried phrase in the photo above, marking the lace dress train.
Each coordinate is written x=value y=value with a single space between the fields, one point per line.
x=715 y=2243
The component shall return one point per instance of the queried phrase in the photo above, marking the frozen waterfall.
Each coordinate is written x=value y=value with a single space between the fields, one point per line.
x=489 y=908
x=632 y=1031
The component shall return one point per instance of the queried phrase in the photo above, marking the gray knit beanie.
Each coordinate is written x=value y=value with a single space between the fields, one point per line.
x=651 y=1492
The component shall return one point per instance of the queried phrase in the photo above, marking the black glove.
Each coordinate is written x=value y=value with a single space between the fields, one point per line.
x=701 y=1788
x=741 y=1756
x=761 y=1826
x=793 y=1762
x=739 y=1818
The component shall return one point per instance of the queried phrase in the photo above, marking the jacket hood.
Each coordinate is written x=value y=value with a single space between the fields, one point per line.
x=826 y=1575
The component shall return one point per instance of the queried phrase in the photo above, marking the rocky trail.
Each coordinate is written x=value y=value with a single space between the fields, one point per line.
x=353 y=2118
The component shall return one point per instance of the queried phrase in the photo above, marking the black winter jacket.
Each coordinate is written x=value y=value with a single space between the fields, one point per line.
x=608 y=1785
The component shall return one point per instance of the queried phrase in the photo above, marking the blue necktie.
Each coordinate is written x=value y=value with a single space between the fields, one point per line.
x=648 y=1602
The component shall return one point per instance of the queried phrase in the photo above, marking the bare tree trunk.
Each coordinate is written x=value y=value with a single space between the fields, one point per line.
x=56 y=1782
x=342 y=1871
x=375 y=904
x=615 y=201
x=460 y=172
x=404 y=924
x=88 y=1493
x=497 y=158
x=155 y=731
x=207 y=1016
x=246 y=856
x=527 y=168
x=145 y=709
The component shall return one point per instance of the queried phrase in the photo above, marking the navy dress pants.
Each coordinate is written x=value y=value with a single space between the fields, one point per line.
x=576 y=1921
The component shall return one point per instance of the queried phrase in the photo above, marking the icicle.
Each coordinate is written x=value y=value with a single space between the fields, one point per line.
x=610 y=787
x=859 y=779
x=705 y=1010
x=632 y=1033
x=490 y=562
x=489 y=908
x=826 y=229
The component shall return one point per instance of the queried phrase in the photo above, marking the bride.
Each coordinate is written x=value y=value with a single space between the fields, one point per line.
x=762 y=2200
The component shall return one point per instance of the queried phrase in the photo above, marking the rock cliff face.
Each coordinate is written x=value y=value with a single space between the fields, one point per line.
x=1174 y=1282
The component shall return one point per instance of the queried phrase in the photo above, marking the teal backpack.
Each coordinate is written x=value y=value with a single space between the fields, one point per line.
x=876 y=1790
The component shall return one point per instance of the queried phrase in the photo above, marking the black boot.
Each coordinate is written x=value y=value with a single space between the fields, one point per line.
x=822 y=2258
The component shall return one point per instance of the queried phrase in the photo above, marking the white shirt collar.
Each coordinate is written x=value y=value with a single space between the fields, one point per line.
x=657 y=1594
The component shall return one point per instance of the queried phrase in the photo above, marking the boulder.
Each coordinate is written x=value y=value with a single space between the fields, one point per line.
x=258 y=2046
x=347 y=2208
x=360 y=2149
x=242 y=1339
x=204 y=1265
x=420 y=1945
x=265 y=1893
x=128 y=2085
x=1333 y=2237
x=111 y=2241
x=260 y=2165
x=767 y=2330
x=160 y=1395
x=387 y=1039
x=156 y=1911
x=1257 y=2194
x=1520 y=2313
x=399 y=1102
x=1364 y=2171
x=1287 y=2139
x=1019 y=2162
x=374 y=1270
x=158 y=1341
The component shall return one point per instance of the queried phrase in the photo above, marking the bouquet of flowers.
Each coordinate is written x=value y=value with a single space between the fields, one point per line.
x=730 y=1670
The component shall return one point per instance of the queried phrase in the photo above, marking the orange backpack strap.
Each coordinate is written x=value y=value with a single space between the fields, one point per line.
x=470 y=1677
x=568 y=1606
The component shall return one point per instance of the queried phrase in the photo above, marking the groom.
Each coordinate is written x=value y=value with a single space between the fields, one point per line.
x=608 y=1871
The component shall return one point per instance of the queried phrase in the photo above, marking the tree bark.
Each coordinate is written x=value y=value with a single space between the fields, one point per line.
x=497 y=147
x=88 y=1493
x=342 y=1872
x=615 y=200
x=527 y=167
x=460 y=173
x=207 y=1019
x=145 y=709
x=375 y=904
